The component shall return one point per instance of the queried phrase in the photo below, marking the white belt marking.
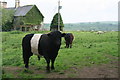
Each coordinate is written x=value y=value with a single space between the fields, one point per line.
x=34 y=43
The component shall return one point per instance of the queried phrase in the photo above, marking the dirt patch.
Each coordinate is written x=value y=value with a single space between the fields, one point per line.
x=109 y=70
x=101 y=71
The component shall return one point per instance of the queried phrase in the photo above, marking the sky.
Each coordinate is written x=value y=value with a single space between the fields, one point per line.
x=74 y=11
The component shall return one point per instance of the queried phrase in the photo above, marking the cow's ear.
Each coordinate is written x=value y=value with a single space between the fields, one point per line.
x=63 y=34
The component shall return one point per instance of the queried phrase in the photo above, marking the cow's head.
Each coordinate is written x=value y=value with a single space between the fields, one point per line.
x=55 y=37
x=56 y=34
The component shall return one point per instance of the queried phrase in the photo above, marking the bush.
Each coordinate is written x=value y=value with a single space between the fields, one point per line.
x=7 y=19
x=16 y=32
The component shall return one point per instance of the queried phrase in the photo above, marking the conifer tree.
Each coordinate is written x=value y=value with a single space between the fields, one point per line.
x=54 y=23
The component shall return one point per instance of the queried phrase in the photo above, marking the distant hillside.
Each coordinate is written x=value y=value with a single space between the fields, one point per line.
x=88 y=26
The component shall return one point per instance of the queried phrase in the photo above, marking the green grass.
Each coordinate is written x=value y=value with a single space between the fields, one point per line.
x=88 y=49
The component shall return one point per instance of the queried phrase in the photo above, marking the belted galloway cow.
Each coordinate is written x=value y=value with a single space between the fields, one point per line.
x=46 y=45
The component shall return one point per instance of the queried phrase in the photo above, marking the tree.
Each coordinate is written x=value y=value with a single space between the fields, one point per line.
x=54 y=23
x=7 y=19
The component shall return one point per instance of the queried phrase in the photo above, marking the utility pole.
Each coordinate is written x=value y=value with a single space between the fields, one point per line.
x=59 y=15
x=17 y=3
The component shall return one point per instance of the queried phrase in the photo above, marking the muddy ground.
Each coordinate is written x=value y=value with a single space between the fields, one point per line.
x=109 y=70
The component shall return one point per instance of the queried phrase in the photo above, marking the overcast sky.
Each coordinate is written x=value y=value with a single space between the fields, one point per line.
x=75 y=10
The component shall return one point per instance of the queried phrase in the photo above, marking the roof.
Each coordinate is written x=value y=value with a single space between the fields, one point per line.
x=22 y=11
x=10 y=8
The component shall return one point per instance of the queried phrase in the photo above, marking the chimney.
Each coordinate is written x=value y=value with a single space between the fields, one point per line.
x=3 y=4
x=0 y=4
x=17 y=3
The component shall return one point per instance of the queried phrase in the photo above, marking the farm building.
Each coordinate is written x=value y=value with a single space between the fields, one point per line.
x=23 y=18
x=28 y=18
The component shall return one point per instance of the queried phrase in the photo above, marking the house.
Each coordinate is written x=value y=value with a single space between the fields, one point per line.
x=28 y=18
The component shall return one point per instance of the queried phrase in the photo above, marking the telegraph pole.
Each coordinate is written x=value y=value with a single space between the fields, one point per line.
x=59 y=15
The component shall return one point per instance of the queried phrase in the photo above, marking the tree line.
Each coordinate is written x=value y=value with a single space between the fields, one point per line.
x=90 y=26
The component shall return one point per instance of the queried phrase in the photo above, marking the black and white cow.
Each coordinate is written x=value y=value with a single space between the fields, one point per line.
x=46 y=45
x=68 y=39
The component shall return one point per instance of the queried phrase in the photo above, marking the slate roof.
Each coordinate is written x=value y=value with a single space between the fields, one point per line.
x=22 y=11
x=10 y=8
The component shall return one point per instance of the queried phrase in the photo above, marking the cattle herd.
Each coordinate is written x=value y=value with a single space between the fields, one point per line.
x=46 y=45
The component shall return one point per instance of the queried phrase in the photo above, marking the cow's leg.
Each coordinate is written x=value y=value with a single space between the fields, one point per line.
x=27 y=62
x=67 y=45
x=26 y=59
x=38 y=57
x=48 y=64
x=52 y=64
x=70 y=45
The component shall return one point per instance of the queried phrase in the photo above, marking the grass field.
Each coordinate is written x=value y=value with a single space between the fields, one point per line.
x=89 y=49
